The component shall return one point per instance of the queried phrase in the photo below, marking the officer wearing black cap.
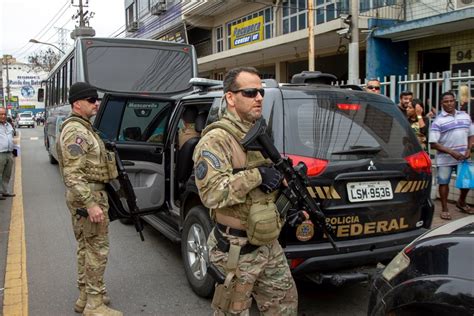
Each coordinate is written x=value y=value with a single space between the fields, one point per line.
x=86 y=166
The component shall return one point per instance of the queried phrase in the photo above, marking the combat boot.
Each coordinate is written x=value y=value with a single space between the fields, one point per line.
x=95 y=307
x=82 y=300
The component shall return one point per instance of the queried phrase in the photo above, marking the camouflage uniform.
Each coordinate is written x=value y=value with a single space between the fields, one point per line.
x=228 y=183
x=86 y=165
x=186 y=133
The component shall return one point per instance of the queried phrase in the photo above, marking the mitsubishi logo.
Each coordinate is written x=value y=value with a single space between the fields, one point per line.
x=371 y=166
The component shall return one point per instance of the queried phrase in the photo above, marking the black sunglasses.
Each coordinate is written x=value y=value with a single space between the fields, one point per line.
x=92 y=100
x=250 y=92
x=373 y=87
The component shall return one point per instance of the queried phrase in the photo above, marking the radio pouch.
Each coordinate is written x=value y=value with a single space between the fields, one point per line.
x=263 y=222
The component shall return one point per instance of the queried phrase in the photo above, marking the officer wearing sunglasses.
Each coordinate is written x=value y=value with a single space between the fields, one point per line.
x=86 y=166
x=240 y=188
x=373 y=86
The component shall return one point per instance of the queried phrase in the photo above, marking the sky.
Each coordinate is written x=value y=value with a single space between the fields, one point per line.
x=22 y=20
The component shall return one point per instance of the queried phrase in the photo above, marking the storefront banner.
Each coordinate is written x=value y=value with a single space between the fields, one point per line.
x=248 y=32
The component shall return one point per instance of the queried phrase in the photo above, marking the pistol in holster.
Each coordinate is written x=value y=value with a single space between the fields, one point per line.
x=230 y=295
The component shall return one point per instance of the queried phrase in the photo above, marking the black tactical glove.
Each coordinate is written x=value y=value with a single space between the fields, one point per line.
x=296 y=217
x=271 y=179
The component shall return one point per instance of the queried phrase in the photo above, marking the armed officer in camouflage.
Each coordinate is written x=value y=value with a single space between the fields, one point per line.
x=240 y=188
x=86 y=166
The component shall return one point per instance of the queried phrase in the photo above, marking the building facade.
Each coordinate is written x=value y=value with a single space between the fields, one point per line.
x=272 y=35
x=23 y=82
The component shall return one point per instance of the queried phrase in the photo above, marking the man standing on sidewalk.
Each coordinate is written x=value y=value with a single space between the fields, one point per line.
x=6 y=156
x=452 y=135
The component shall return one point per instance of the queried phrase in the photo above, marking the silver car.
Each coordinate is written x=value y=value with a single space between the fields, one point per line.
x=25 y=119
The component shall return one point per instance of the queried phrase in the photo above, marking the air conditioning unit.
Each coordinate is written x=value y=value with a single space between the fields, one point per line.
x=461 y=4
x=133 y=27
x=158 y=8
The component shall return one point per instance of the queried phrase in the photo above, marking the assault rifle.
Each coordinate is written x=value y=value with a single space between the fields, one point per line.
x=296 y=193
x=128 y=191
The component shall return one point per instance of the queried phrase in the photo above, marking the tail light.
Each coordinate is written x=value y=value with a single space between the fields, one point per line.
x=296 y=262
x=315 y=166
x=348 y=106
x=420 y=162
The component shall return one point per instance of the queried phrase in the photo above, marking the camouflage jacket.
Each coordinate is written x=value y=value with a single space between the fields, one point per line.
x=82 y=159
x=219 y=185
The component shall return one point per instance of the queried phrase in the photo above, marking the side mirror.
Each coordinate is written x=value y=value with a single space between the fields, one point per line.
x=41 y=95
x=132 y=133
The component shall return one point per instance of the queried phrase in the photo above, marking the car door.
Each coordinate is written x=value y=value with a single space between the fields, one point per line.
x=138 y=126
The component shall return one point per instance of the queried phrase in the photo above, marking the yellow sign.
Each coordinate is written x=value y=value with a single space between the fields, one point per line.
x=247 y=32
x=27 y=107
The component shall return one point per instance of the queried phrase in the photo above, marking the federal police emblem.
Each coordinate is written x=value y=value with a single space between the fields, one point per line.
x=305 y=231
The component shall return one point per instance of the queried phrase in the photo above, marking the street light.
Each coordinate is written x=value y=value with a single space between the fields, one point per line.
x=38 y=42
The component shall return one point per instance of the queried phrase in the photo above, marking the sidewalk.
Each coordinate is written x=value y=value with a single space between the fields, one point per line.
x=455 y=214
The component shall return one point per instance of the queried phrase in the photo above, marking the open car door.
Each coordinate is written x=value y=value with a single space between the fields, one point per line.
x=137 y=126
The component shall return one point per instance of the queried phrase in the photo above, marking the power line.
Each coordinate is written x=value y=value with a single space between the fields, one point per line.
x=22 y=51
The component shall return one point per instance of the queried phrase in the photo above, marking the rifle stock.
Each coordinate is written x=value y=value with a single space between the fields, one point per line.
x=297 y=180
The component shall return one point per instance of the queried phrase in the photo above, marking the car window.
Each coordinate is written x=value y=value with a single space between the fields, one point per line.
x=140 y=123
x=133 y=119
x=332 y=129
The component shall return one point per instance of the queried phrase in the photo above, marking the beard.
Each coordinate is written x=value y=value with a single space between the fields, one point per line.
x=251 y=116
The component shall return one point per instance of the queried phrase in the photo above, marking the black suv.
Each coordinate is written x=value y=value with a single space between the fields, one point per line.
x=365 y=168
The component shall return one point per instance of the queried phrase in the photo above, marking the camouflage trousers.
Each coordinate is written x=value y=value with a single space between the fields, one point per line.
x=92 y=245
x=263 y=274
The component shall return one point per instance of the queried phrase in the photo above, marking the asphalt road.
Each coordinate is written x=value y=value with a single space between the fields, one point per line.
x=143 y=278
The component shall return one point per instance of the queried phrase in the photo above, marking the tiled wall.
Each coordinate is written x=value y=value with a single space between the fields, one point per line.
x=461 y=41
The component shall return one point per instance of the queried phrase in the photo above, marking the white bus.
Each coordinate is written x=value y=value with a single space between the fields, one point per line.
x=118 y=65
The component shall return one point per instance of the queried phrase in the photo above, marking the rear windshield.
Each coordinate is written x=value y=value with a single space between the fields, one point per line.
x=139 y=69
x=26 y=115
x=332 y=129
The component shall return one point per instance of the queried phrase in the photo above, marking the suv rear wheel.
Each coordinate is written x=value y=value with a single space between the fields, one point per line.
x=197 y=227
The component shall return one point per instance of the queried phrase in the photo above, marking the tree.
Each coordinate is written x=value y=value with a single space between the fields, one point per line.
x=44 y=60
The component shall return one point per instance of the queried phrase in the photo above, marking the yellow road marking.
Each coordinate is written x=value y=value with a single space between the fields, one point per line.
x=15 y=300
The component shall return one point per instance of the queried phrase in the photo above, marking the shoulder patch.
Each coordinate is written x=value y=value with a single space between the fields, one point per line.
x=216 y=163
x=75 y=150
x=201 y=170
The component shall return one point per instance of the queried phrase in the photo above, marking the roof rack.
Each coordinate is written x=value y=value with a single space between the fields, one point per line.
x=313 y=77
x=204 y=84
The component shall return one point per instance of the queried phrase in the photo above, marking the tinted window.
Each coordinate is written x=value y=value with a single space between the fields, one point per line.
x=131 y=69
x=328 y=131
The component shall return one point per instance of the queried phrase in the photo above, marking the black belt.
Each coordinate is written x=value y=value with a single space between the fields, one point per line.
x=231 y=231
x=224 y=245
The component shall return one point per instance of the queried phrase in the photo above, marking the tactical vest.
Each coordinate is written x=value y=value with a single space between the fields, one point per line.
x=258 y=214
x=102 y=172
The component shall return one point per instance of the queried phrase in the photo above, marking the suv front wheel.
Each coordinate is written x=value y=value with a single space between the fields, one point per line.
x=196 y=229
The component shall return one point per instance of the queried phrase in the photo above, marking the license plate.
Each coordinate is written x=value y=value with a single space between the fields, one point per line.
x=369 y=191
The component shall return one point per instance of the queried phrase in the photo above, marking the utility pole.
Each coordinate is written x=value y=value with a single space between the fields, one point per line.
x=6 y=58
x=353 y=61
x=62 y=38
x=83 y=29
x=310 y=36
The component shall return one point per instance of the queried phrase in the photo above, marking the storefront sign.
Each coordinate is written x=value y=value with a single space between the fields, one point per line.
x=248 y=32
